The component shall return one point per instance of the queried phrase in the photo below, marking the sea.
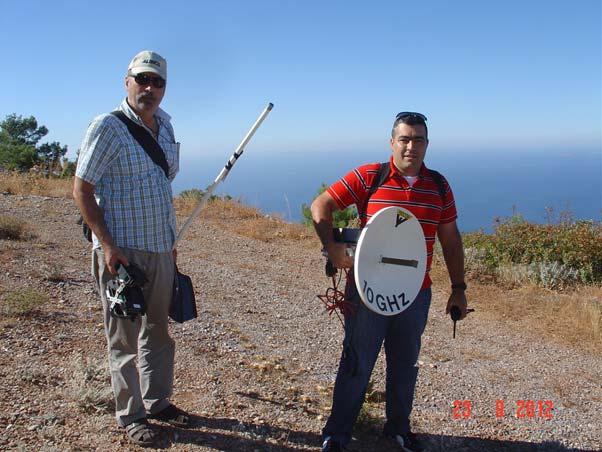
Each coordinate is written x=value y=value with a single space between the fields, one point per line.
x=540 y=185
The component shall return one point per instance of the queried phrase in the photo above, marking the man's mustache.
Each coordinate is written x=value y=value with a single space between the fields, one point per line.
x=145 y=97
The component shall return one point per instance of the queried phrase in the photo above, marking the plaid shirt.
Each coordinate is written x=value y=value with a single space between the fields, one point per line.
x=132 y=191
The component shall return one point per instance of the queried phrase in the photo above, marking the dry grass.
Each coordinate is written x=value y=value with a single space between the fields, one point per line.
x=12 y=228
x=54 y=272
x=30 y=184
x=246 y=221
x=241 y=219
x=89 y=386
x=22 y=301
x=218 y=209
x=269 y=229
x=369 y=419
x=573 y=317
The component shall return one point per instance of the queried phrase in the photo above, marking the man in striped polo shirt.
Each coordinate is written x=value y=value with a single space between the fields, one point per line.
x=410 y=185
x=126 y=200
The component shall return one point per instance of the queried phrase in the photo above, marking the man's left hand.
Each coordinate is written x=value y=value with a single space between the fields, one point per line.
x=457 y=298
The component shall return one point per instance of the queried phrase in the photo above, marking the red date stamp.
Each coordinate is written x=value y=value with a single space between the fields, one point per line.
x=521 y=409
x=462 y=409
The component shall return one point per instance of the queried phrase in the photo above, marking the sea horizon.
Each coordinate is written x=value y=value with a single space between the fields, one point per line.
x=540 y=185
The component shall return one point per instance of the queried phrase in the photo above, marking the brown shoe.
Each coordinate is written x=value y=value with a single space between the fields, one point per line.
x=141 y=433
x=173 y=416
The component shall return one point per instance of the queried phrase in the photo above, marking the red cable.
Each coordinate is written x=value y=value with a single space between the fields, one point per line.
x=334 y=299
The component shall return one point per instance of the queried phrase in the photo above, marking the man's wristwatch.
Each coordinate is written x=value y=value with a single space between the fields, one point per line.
x=459 y=286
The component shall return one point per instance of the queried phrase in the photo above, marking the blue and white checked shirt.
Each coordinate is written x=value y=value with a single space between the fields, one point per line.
x=132 y=191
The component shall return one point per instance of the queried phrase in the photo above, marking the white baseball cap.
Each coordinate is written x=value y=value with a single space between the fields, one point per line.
x=148 y=61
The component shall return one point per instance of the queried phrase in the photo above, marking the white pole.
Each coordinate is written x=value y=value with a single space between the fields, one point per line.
x=223 y=173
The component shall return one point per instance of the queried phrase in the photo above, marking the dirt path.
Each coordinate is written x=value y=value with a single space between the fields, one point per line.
x=257 y=367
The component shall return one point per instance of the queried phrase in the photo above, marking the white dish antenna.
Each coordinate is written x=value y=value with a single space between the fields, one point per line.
x=390 y=261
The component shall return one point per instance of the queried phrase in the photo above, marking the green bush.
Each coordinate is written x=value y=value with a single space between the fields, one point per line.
x=22 y=301
x=19 y=137
x=16 y=156
x=341 y=218
x=68 y=170
x=196 y=194
x=569 y=247
x=480 y=251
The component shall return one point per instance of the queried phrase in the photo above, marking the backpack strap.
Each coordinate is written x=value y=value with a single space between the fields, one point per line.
x=379 y=179
x=144 y=139
x=438 y=178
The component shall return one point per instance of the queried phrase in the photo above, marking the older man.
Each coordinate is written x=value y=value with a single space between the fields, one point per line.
x=410 y=184
x=126 y=199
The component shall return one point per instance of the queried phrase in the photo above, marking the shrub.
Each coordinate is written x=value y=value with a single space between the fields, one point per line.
x=555 y=275
x=341 y=218
x=23 y=301
x=477 y=261
x=196 y=194
x=89 y=386
x=545 y=274
x=188 y=200
x=17 y=156
x=12 y=228
x=193 y=193
x=516 y=274
x=54 y=272
x=68 y=169
x=554 y=255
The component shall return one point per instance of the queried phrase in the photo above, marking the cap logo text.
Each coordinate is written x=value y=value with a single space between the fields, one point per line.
x=156 y=63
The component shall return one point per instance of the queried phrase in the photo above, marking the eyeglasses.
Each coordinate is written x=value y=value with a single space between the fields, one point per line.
x=410 y=114
x=143 y=80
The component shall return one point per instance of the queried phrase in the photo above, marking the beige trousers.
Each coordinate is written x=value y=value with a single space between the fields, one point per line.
x=145 y=388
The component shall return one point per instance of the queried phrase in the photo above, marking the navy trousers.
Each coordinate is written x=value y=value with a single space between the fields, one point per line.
x=365 y=332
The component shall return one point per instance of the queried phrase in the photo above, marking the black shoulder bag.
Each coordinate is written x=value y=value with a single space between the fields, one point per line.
x=183 y=303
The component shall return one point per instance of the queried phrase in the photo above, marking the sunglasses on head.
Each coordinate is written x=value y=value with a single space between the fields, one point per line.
x=144 y=79
x=410 y=114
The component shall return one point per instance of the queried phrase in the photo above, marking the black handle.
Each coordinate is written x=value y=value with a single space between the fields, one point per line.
x=330 y=269
x=455 y=313
x=402 y=262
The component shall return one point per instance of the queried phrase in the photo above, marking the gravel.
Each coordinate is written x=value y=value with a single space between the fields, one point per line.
x=256 y=368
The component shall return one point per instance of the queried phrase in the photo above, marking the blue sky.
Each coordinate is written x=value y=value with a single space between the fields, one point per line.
x=510 y=75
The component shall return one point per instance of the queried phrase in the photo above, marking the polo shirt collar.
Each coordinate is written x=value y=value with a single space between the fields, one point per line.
x=421 y=174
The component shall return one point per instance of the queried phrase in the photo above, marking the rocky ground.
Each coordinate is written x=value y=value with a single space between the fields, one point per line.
x=256 y=368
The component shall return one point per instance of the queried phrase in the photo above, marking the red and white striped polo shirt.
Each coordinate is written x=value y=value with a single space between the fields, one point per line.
x=422 y=199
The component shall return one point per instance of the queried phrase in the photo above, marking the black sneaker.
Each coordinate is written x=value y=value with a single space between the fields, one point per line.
x=330 y=445
x=407 y=442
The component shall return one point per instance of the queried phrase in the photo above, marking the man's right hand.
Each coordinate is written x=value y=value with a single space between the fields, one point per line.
x=321 y=212
x=337 y=253
x=113 y=255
